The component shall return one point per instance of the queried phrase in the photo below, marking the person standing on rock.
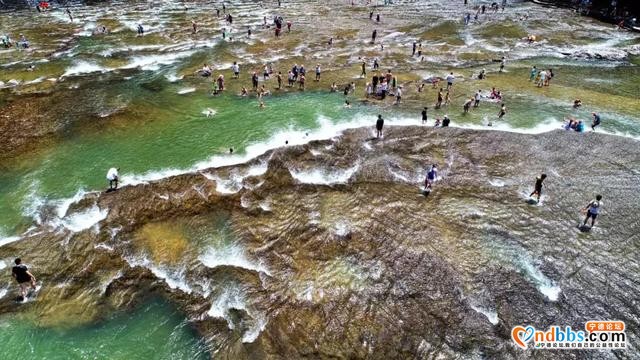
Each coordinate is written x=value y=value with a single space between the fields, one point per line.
x=112 y=176
x=537 y=189
x=424 y=115
x=379 y=125
x=373 y=35
x=592 y=210
x=21 y=273
x=432 y=175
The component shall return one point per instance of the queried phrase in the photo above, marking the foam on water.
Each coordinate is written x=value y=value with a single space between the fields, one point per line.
x=546 y=286
x=234 y=183
x=63 y=204
x=154 y=62
x=324 y=177
x=232 y=255
x=174 y=278
x=86 y=219
x=186 y=90
x=209 y=112
x=233 y=298
x=492 y=316
x=172 y=77
x=8 y=240
x=84 y=67
x=3 y=292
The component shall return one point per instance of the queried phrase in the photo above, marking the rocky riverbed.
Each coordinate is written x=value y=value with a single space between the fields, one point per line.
x=330 y=250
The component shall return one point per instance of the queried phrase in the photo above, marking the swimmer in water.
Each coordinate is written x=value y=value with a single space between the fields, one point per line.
x=347 y=104
x=577 y=103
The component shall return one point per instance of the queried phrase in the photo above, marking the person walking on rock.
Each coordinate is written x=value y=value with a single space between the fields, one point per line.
x=537 y=189
x=592 y=210
x=21 y=273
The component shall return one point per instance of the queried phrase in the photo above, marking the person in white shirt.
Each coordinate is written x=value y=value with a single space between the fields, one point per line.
x=543 y=78
x=236 y=70
x=112 y=176
x=398 y=95
x=592 y=210
x=477 y=98
x=450 y=79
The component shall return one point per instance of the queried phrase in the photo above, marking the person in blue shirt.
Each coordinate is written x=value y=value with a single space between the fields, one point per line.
x=432 y=175
x=580 y=127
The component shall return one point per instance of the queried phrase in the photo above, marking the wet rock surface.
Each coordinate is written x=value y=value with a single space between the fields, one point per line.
x=329 y=250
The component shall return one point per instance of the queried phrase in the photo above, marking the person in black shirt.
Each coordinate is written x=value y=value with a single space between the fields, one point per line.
x=537 y=190
x=379 y=125
x=445 y=121
x=424 y=115
x=23 y=277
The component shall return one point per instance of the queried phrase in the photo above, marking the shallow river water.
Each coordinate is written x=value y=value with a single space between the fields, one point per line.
x=104 y=100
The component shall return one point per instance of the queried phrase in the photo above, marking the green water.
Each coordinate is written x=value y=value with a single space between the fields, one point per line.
x=171 y=132
x=138 y=121
x=152 y=331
